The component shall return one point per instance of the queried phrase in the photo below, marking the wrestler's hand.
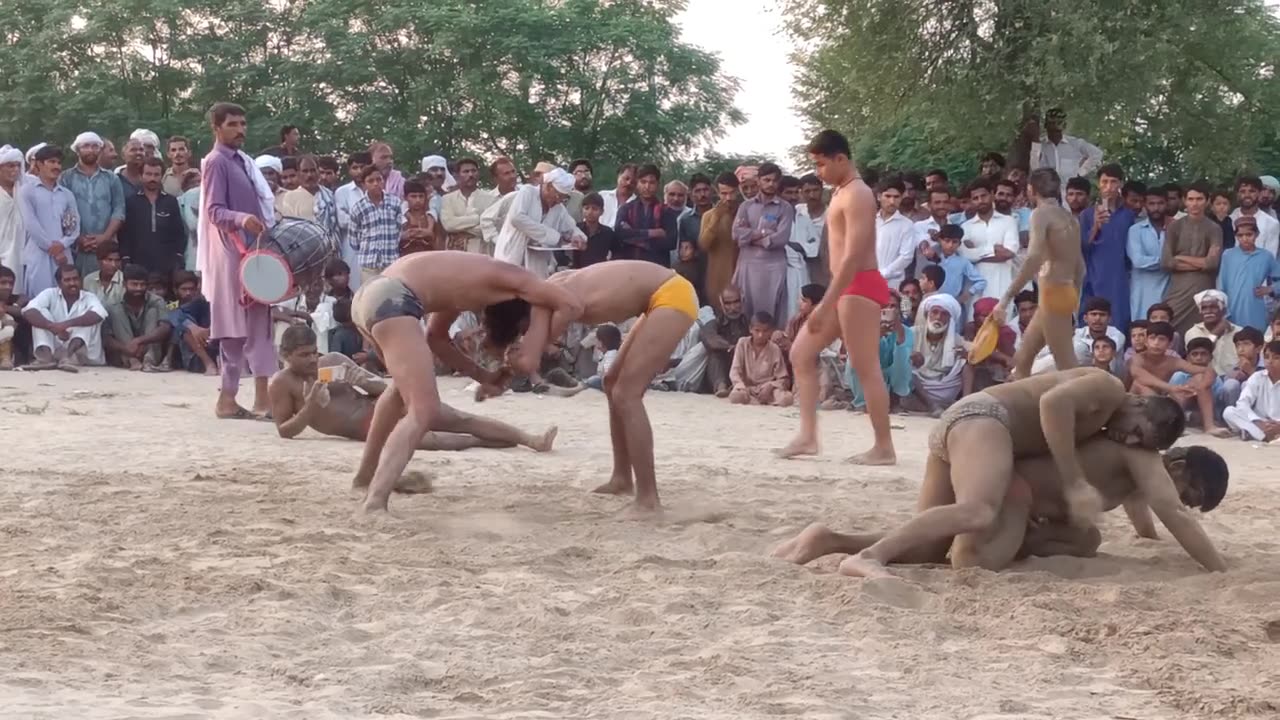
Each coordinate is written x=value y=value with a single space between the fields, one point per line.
x=1001 y=314
x=821 y=318
x=317 y=395
x=254 y=225
x=1083 y=503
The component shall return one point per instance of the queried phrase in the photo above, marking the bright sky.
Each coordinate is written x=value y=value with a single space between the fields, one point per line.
x=748 y=36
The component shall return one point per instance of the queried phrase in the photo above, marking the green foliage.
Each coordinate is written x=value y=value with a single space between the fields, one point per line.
x=531 y=79
x=1168 y=88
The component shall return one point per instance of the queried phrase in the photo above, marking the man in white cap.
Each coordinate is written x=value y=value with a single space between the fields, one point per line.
x=272 y=169
x=12 y=231
x=99 y=199
x=537 y=225
x=436 y=168
x=29 y=173
x=1267 y=198
x=150 y=142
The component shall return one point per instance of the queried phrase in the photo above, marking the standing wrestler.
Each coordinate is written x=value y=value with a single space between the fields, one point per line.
x=388 y=310
x=236 y=205
x=972 y=448
x=612 y=292
x=851 y=307
x=335 y=407
x=1054 y=251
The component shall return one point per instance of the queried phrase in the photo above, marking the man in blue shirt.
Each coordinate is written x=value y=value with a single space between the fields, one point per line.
x=1104 y=233
x=963 y=281
x=1248 y=276
x=99 y=200
x=1145 y=245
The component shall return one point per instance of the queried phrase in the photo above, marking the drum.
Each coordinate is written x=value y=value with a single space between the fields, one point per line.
x=289 y=257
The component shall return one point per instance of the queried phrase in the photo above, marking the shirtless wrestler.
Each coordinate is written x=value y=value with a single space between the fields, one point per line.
x=613 y=292
x=388 y=310
x=1037 y=523
x=336 y=408
x=1053 y=251
x=972 y=448
x=851 y=307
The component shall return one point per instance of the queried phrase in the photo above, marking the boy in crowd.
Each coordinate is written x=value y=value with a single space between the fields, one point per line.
x=1249 y=344
x=1256 y=415
x=1163 y=312
x=337 y=276
x=344 y=338
x=419 y=231
x=190 y=322
x=601 y=241
x=160 y=285
x=9 y=315
x=137 y=328
x=107 y=283
x=1104 y=355
x=690 y=266
x=759 y=372
x=609 y=341
x=1190 y=382
x=1097 y=323
x=1249 y=275
x=1027 y=302
x=962 y=280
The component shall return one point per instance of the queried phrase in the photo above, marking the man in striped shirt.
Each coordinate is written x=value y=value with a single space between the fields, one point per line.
x=375 y=226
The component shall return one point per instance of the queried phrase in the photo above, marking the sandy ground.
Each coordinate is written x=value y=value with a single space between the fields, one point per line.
x=157 y=563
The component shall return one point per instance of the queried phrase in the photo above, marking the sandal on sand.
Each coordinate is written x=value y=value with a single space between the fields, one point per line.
x=39 y=365
x=239 y=414
x=149 y=368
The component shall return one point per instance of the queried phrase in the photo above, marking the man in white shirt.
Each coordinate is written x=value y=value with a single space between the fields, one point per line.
x=537 y=225
x=895 y=246
x=1256 y=415
x=345 y=199
x=66 y=324
x=461 y=209
x=990 y=241
x=494 y=217
x=925 y=232
x=1248 y=188
x=1070 y=156
x=616 y=198
x=803 y=246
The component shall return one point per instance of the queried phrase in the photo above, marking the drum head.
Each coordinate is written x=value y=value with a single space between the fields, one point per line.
x=266 y=277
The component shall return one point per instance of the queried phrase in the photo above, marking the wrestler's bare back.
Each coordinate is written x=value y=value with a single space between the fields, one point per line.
x=1096 y=395
x=1055 y=236
x=613 y=291
x=453 y=281
x=852 y=205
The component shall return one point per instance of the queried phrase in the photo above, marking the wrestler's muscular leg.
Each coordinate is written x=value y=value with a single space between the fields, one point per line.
x=999 y=546
x=620 y=478
x=981 y=470
x=491 y=432
x=805 y=366
x=860 y=326
x=404 y=351
x=1058 y=331
x=1032 y=344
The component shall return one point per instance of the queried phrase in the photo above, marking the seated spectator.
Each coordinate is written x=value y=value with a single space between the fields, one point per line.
x=345 y=339
x=190 y=322
x=66 y=324
x=161 y=285
x=1162 y=312
x=912 y=293
x=1273 y=330
x=692 y=267
x=1249 y=344
x=1027 y=303
x=9 y=315
x=138 y=326
x=608 y=342
x=309 y=307
x=1097 y=323
x=962 y=280
x=1256 y=415
x=337 y=278
x=1190 y=382
x=932 y=277
x=1137 y=339
x=1248 y=275
x=897 y=341
x=759 y=374
x=1215 y=326
x=1104 y=354
x=602 y=244
x=937 y=357
x=720 y=337
x=107 y=283
x=996 y=368
x=810 y=296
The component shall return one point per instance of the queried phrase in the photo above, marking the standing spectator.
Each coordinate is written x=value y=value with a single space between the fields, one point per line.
x=620 y=195
x=715 y=237
x=1070 y=156
x=1145 y=246
x=435 y=168
x=1247 y=190
x=66 y=323
x=1248 y=275
x=289 y=137
x=328 y=172
x=494 y=218
x=538 y=224
x=803 y=246
x=154 y=235
x=925 y=232
x=991 y=167
x=375 y=226
x=990 y=243
x=461 y=209
x=52 y=223
x=581 y=170
x=814 y=207
x=150 y=142
x=99 y=200
x=1220 y=211
x=13 y=234
x=109 y=159
x=690 y=225
x=300 y=202
x=179 y=152
x=748 y=180
x=130 y=173
x=1078 y=192
x=1106 y=237
x=106 y=283
x=645 y=226
x=894 y=234
x=1173 y=195
x=288 y=175
x=344 y=199
x=1192 y=252
x=1267 y=198
x=189 y=204
x=912 y=190
x=601 y=242
x=762 y=229
x=384 y=159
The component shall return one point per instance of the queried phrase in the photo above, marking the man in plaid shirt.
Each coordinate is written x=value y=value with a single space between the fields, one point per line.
x=375 y=226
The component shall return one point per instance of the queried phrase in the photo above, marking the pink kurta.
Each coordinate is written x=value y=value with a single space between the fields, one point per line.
x=228 y=199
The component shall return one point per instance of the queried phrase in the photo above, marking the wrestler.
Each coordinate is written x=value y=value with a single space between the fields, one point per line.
x=388 y=310
x=1053 y=250
x=298 y=401
x=851 y=307
x=1037 y=522
x=613 y=292
x=973 y=446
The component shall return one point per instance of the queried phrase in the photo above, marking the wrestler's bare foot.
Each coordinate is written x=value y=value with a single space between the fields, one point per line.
x=363 y=477
x=617 y=485
x=645 y=509
x=863 y=567
x=874 y=456
x=806 y=547
x=797 y=447
x=415 y=482
x=548 y=439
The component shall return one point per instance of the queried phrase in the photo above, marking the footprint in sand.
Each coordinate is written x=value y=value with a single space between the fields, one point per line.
x=1273 y=631
x=896 y=592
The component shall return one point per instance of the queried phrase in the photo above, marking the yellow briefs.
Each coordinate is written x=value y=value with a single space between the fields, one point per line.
x=676 y=293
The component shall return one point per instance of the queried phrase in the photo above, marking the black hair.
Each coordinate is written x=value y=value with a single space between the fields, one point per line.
x=182 y=277
x=63 y=269
x=1211 y=471
x=1157 y=191
x=1026 y=296
x=1095 y=303
x=1006 y=182
x=593 y=199
x=993 y=156
x=938 y=172
x=1200 y=188
x=914 y=179
x=943 y=189
x=813 y=292
x=572 y=166
x=1046 y=182
x=789 y=181
x=609 y=336
x=810 y=179
x=369 y=170
x=1252 y=181
x=908 y=281
x=284 y=131
x=219 y=112
x=153 y=161
x=336 y=266
x=935 y=273
x=1159 y=307
x=1134 y=187
x=978 y=184
x=7 y=273
x=327 y=162
x=360 y=158
x=413 y=187
x=1218 y=194
x=1172 y=187
x=106 y=248
x=1106 y=341
x=649 y=170
x=1248 y=334
x=296 y=336
x=1140 y=324
x=134 y=271
x=1081 y=184
x=951 y=232
x=698 y=179
x=769 y=169
x=829 y=143
x=625 y=167
x=48 y=152
x=289 y=162
x=892 y=183
x=728 y=179
x=502 y=321
x=1168 y=418
x=342 y=311
x=1200 y=343
x=762 y=318
x=1160 y=329
x=1272 y=347
x=1111 y=170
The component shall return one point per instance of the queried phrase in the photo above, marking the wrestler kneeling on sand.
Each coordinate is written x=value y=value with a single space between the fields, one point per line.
x=973 y=446
x=336 y=407
x=615 y=291
x=388 y=310
x=1034 y=520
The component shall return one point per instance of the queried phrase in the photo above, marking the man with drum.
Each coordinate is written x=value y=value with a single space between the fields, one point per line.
x=236 y=206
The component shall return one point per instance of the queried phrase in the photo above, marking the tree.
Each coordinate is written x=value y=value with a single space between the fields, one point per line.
x=1168 y=88
x=531 y=79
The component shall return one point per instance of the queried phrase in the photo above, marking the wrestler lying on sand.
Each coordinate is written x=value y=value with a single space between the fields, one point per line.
x=1037 y=522
x=299 y=402
x=388 y=310
x=613 y=292
x=973 y=446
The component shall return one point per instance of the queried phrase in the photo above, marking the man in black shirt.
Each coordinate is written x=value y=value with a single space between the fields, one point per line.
x=646 y=228
x=153 y=235
x=601 y=241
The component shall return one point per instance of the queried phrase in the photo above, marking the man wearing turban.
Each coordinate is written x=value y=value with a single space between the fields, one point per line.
x=13 y=233
x=537 y=225
x=99 y=198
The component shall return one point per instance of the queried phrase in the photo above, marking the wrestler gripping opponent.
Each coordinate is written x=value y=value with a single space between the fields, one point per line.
x=1037 y=522
x=851 y=307
x=613 y=292
x=298 y=401
x=388 y=310
x=1053 y=249
x=973 y=446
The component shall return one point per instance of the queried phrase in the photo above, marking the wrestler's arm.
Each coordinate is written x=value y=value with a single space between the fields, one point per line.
x=286 y=397
x=1059 y=408
x=564 y=306
x=1035 y=258
x=442 y=347
x=370 y=383
x=1149 y=474
x=1140 y=515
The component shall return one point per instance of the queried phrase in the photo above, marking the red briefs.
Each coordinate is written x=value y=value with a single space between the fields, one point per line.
x=870 y=284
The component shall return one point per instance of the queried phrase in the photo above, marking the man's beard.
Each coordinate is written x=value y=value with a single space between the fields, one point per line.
x=1004 y=208
x=938 y=328
x=582 y=186
x=89 y=159
x=135 y=295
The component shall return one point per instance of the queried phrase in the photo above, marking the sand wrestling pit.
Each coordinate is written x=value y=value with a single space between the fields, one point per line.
x=158 y=563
